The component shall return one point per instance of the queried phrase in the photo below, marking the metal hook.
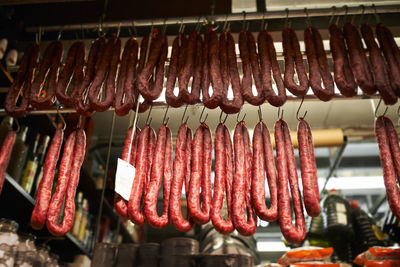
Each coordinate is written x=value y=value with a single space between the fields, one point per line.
x=377 y=18
x=165 y=25
x=198 y=26
x=377 y=107
x=18 y=125
x=134 y=29
x=280 y=114
x=346 y=9
x=118 y=29
x=362 y=14
x=59 y=35
x=39 y=35
x=184 y=113
x=201 y=115
x=298 y=110
x=308 y=21
x=260 y=113
x=333 y=14
x=287 y=18
x=182 y=26
x=148 y=116
x=62 y=118
x=220 y=117
x=165 y=115
x=244 y=20
x=237 y=117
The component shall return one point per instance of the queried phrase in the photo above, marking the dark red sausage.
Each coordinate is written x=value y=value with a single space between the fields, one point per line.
x=173 y=71
x=150 y=85
x=391 y=53
x=68 y=184
x=119 y=203
x=5 y=155
x=250 y=69
x=379 y=71
x=223 y=180
x=287 y=173
x=343 y=73
x=105 y=73
x=161 y=171
x=308 y=169
x=126 y=78
x=181 y=172
x=318 y=65
x=22 y=83
x=80 y=96
x=143 y=167
x=230 y=74
x=43 y=196
x=241 y=195
x=211 y=71
x=200 y=176
x=294 y=61
x=384 y=136
x=358 y=59
x=268 y=63
x=42 y=94
x=73 y=69
x=263 y=162
x=192 y=69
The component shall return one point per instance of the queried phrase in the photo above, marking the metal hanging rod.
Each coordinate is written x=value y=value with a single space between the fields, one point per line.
x=159 y=104
x=224 y=17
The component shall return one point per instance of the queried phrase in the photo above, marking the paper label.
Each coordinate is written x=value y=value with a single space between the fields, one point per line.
x=124 y=178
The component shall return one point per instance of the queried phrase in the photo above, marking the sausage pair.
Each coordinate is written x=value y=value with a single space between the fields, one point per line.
x=71 y=162
x=389 y=152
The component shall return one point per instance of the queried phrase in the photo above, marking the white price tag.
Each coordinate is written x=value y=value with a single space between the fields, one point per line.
x=124 y=178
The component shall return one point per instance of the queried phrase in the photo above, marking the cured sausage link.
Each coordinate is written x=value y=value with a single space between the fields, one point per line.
x=119 y=203
x=73 y=156
x=192 y=69
x=223 y=176
x=318 y=65
x=161 y=170
x=126 y=78
x=241 y=196
x=391 y=53
x=200 y=175
x=106 y=73
x=358 y=59
x=384 y=135
x=263 y=159
x=73 y=68
x=22 y=83
x=5 y=155
x=42 y=93
x=343 y=73
x=143 y=166
x=294 y=61
x=308 y=169
x=268 y=63
x=287 y=173
x=43 y=196
x=180 y=175
x=379 y=72
x=150 y=85
x=211 y=71
x=173 y=72
x=95 y=55
x=231 y=76
x=250 y=69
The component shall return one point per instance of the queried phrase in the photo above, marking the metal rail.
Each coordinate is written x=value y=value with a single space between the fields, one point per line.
x=160 y=104
x=222 y=18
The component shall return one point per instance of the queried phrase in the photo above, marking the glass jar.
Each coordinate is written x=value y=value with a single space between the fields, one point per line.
x=8 y=232
x=7 y=255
